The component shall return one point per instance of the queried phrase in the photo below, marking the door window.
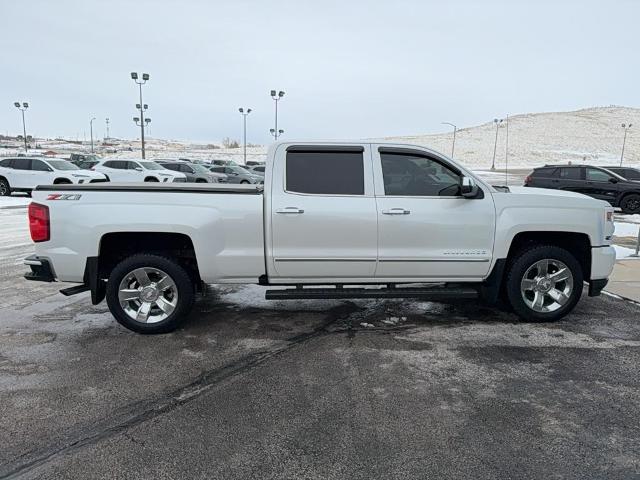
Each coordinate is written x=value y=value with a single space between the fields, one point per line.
x=329 y=172
x=39 y=166
x=413 y=175
x=570 y=173
x=22 y=163
x=116 y=164
x=171 y=166
x=6 y=163
x=186 y=169
x=595 y=175
x=133 y=165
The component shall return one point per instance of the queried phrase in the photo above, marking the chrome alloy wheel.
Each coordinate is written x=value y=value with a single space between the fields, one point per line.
x=148 y=295
x=547 y=285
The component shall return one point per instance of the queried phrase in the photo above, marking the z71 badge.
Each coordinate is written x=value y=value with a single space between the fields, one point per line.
x=64 y=196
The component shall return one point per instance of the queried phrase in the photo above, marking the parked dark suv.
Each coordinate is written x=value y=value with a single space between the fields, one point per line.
x=596 y=182
x=626 y=172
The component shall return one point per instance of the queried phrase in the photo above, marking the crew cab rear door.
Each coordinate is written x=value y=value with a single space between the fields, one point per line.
x=323 y=213
x=426 y=230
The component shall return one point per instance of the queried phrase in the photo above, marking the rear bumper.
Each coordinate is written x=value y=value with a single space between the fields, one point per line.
x=41 y=270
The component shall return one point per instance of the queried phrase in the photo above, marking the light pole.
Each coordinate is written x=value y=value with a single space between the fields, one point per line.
x=106 y=120
x=244 y=129
x=497 y=122
x=276 y=97
x=506 y=154
x=91 y=128
x=23 y=108
x=624 y=141
x=455 y=129
x=141 y=106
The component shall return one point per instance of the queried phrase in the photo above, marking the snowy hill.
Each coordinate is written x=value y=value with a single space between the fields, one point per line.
x=593 y=135
x=539 y=138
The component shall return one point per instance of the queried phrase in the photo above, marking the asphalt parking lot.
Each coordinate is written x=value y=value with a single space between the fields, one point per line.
x=312 y=389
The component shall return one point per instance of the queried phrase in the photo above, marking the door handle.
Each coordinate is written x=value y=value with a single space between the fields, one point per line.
x=290 y=210
x=396 y=211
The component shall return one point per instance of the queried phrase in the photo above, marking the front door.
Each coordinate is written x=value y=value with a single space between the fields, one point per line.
x=323 y=214
x=600 y=185
x=426 y=230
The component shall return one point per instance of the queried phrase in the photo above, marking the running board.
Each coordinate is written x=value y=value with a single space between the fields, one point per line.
x=67 y=292
x=435 y=294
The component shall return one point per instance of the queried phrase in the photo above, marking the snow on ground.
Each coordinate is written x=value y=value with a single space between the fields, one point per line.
x=626 y=229
x=624 y=253
x=14 y=201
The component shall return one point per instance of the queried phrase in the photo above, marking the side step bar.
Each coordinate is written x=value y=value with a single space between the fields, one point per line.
x=67 y=292
x=436 y=294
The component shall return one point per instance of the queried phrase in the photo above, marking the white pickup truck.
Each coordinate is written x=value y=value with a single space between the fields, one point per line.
x=335 y=220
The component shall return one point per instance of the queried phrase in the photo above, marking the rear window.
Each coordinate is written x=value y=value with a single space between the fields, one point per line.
x=331 y=172
x=545 y=172
x=570 y=173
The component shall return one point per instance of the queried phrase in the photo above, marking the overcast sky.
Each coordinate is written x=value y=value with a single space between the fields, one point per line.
x=349 y=68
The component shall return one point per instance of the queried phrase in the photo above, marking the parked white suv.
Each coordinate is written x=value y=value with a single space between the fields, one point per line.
x=120 y=170
x=23 y=174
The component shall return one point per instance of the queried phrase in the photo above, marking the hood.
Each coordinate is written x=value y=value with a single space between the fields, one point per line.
x=87 y=174
x=547 y=191
x=171 y=173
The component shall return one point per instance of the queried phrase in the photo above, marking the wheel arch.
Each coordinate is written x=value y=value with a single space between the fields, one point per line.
x=61 y=181
x=576 y=243
x=116 y=246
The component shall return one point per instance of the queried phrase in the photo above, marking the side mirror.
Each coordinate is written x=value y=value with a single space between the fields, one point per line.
x=613 y=180
x=468 y=187
x=138 y=169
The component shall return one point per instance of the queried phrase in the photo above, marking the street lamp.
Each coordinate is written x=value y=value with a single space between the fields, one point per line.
x=498 y=122
x=141 y=106
x=455 y=129
x=624 y=141
x=276 y=97
x=23 y=108
x=244 y=129
x=147 y=121
x=106 y=120
x=91 y=128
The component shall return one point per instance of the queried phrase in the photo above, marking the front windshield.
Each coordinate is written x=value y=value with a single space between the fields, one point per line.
x=62 y=165
x=199 y=168
x=151 y=166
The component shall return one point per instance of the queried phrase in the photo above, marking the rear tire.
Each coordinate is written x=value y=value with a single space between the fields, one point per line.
x=150 y=294
x=630 y=204
x=5 y=188
x=543 y=283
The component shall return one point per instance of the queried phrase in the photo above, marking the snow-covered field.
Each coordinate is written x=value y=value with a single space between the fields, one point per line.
x=592 y=135
x=14 y=201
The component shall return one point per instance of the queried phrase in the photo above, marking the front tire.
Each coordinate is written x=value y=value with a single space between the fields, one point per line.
x=630 y=204
x=544 y=283
x=149 y=294
x=5 y=188
x=245 y=182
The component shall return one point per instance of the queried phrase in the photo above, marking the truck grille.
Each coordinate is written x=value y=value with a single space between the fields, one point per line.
x=98 y=180
x=183 y=180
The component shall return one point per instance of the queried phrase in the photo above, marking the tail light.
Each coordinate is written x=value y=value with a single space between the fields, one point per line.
x=527 y=180
x=39 y=222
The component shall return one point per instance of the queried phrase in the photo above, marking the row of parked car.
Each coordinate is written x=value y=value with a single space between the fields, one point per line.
x=23 y=174
x=620 y=186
